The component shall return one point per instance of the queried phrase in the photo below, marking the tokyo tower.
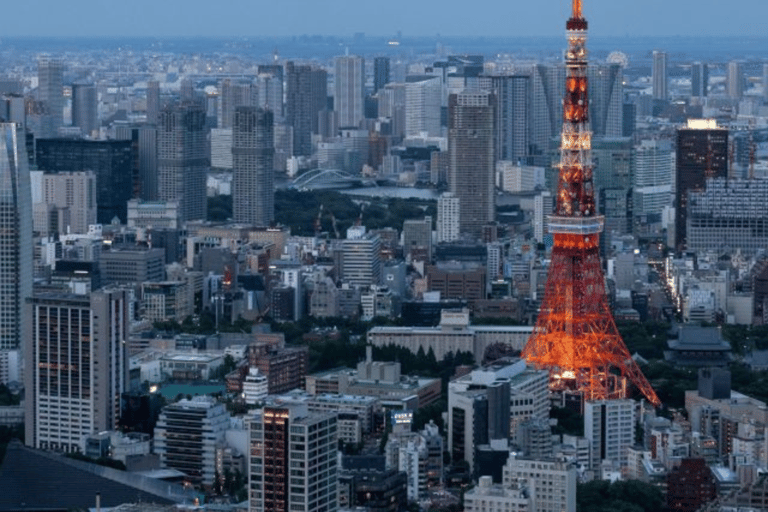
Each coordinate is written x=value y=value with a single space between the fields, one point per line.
x=575 y=337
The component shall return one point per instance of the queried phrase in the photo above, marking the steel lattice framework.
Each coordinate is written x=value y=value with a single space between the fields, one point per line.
x=575 y=337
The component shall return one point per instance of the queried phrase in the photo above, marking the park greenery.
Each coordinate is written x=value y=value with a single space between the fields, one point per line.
x=620 y=496
x=299 y=211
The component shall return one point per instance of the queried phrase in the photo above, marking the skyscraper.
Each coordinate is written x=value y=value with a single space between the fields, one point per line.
x=293 y=459
x=181 y=140
x=471 y=166
x=306 y=96
x=153 y=102
x=77 y=366
x=652 y=178
x=50 y=92
x=111 y=160
x=423 y=94
x=270 y=85
x=380 y=73
x=349 y=90
x=15 y=247
x=233 y=95
x=85 y=108
x=659 y=75
x=606 y=94
x=734 y=80
x=253 y=190
x=699 y=79
x=547 y=106
x=513 y=116
x=702 y=152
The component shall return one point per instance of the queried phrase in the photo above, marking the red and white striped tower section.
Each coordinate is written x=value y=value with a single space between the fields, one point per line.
x=575 y=337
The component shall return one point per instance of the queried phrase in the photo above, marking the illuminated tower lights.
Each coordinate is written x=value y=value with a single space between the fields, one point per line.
x=575 y=337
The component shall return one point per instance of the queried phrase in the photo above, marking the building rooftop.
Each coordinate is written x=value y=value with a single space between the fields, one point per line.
x=37 y=480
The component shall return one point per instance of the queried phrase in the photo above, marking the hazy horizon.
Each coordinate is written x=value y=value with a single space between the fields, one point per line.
x=425 y=18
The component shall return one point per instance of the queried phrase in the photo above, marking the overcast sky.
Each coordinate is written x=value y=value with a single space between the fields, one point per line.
x=379 y=17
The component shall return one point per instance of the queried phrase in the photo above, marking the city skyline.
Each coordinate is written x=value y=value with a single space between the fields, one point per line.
x=649 y=18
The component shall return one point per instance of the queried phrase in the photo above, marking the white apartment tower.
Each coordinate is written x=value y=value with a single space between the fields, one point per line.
x=609 y=425
x=447 y=217
x=423 y=95
x=349 y=90
x=653 y=176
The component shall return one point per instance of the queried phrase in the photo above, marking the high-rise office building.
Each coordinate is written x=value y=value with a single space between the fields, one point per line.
x=653 y=177
x=270 y=86
x=186 y=436
x=702 y=152
x=699 y=79
x=181 y=141
x=417 y=235
x=153 y=101
x=111 y=160
x=423 y=95
x=85 y=102
x=349 y=90
x=659 y=75
x=606 y=97
x=728 y=213
x=76 y=366
x=233 y=95
x=293 y=464
x=253 y=189
x=361 y=259
x=513 y=116
x=380 y=73
x=306 y=96
x=392 y=106
x=63 y=202
x=50 y=92
x=609 y=425
x=471 y=167
x=547 y=106
x=15 y=246
x=734 y=80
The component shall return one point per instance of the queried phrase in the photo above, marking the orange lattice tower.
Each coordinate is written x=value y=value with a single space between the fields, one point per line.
x=575 y=337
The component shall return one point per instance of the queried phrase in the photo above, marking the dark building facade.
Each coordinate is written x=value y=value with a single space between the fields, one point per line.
x=702 y=152
x=690 y=485
x=111 y=160
x=253 y=150
x=306 y=96
x=380 y=73
x=471 y=164
x=181 y=163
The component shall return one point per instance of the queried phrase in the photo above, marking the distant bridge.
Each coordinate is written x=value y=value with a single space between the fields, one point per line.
x=329 y=179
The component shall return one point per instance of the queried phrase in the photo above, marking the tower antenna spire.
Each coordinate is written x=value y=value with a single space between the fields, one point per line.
x=577 y=4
